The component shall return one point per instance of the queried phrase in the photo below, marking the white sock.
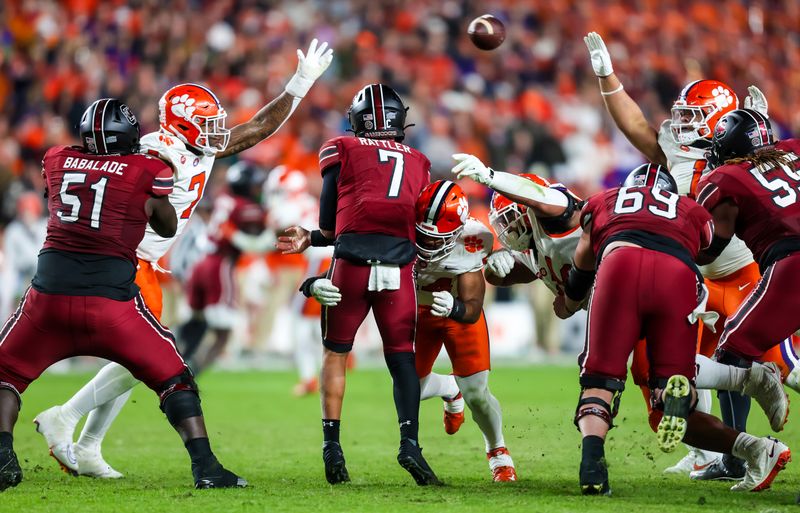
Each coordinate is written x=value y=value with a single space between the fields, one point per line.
x=718 y=376
x=438 y=385
x=99 y=420
x=484 y=407
x=307 y=347
x=112 y=381
x=744 y=446
x=704 y=400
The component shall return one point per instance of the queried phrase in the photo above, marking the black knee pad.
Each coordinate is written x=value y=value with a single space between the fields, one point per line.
x=180 y=398
x=337 y=347
x=4 y=385
x=604 y=410
x=729 y=358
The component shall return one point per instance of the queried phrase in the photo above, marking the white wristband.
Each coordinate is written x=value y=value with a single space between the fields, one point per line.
x=615 y=91
x=298 y=86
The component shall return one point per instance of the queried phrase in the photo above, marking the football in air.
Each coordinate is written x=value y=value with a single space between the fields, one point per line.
x=486 y=32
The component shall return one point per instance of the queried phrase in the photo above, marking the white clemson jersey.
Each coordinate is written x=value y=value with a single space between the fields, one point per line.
x=468 y=255
x=192 y=173
x=551 y=259
x=687 y=165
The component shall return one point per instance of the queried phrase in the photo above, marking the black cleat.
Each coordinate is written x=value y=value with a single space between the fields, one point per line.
x=726 y=468
x=335 y=469
x=10 y=471
x=594 y=478
x=216 y=476
x=410 y=458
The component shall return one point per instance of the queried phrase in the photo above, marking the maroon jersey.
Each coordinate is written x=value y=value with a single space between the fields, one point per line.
x=97 y=219
x=379 y=182
x=652 y=217
x=769 y=211
x=97 y=202
x=234 y=213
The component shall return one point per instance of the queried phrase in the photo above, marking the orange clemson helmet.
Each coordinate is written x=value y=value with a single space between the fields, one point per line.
x=442 y=211
x=698 y=108
x=193 y=114
x=510 y=220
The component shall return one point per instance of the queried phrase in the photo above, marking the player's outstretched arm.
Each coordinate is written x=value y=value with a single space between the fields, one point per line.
x=546 y=202
x=272 y=116
x=627 y=115
x=162 y=216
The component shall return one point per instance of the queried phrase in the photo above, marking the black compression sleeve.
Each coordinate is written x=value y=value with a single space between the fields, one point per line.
x=579 y=282
x=328 y=198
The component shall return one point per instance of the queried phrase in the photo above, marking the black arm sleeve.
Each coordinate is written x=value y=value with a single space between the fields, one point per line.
x=328 y=198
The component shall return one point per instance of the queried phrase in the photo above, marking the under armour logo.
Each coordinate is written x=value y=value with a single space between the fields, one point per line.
x=329 y=424
x=405 y=423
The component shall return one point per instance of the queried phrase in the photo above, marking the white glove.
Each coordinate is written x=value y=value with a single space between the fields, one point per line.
x=309 y=68
x=598 y=53
x=325 y=292
x=756 y=100
x=442 y=303
x=500 y=263
x=470 y=166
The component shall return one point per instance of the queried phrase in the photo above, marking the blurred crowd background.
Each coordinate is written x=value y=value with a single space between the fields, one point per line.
x=531 y=106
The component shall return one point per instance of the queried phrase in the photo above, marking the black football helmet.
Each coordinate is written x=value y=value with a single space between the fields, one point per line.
x=245 y=179
x=109 y=127
x=653 y=176
x=378 y=112
x=739 y=133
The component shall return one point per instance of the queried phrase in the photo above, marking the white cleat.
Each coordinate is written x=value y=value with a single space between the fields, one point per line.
x=58 y=436
x=763 y=383
x=764 y=461
x=793 y=379
x=696 y=459
x=92 y=464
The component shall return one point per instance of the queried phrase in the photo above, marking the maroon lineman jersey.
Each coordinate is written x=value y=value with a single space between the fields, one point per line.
x=379 y=183
x=97 y=219
x=96 y=202
x=769 y=213
x=651 y=217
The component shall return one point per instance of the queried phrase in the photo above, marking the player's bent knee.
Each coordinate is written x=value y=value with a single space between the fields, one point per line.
x=337 y=347
x=596 y=406
x=180 y=398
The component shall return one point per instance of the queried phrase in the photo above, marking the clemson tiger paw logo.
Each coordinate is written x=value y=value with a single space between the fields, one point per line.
x=722 y=97
x=473 y=244
x=463 y=209
x=183 y=106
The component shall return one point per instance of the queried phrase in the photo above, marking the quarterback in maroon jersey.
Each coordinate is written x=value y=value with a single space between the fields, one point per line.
x=83 y=300
x=645 y=240
x=752 y=193
x=370 y=187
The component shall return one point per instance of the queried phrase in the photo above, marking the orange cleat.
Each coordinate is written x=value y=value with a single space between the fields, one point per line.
x=501 y=465
x=453 y=419
x=308 y=387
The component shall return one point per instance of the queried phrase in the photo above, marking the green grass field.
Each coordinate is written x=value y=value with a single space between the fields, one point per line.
x=274 y=440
